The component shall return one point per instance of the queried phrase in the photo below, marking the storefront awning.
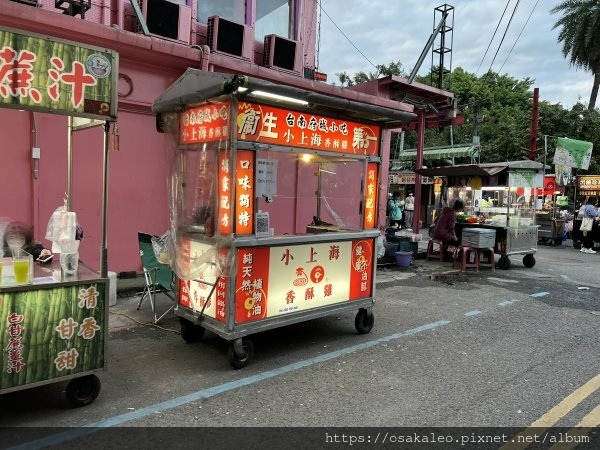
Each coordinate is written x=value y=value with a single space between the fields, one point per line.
x=437 y=153
x=479 y=169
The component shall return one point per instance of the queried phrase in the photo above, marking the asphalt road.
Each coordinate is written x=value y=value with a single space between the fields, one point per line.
x=480 y=349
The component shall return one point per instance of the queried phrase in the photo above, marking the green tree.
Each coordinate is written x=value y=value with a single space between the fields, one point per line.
x=381 y=70
x=580 y=34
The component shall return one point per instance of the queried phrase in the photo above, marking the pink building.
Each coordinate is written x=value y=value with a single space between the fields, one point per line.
x=273 y=40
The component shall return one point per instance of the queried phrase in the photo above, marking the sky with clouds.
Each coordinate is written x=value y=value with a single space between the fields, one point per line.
x=397 y=30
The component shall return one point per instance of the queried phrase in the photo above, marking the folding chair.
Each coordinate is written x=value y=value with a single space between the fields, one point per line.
x=159 y=277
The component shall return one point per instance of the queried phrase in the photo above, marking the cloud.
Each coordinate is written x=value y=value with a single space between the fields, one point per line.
x=386 y=31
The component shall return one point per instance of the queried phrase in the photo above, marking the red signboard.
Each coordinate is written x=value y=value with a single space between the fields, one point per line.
x=251 y=286
x=361 y=272
x=278 y=126
x=224 y=189
x=207 y=123
x=244 y=192
x=371 y=196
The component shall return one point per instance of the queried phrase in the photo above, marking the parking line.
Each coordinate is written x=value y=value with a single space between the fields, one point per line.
x=540 y=294
x=475 y=312
x=219 y=389
x=583 y=428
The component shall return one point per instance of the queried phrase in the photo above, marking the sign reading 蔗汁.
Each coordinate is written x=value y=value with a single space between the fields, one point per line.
x=52 y=75
x=262 y=123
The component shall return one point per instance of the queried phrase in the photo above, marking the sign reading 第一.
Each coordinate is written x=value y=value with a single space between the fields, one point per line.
x=51 y=75
x=573 y=153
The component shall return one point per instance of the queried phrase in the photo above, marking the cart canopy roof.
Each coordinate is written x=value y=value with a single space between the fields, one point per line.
x=480 y=169
x=197 y=86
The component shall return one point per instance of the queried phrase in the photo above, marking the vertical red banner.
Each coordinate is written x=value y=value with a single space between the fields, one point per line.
x=224 y=188
x=244 y=192
x=251 y=284
x=184 y=286
x=361 y=272
x=370 y=212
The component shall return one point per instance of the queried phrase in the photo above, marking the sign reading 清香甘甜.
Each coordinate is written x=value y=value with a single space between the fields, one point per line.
x=51 y=75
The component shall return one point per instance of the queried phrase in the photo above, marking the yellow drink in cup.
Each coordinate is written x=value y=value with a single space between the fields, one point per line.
x=0 y=272
x=21 y=268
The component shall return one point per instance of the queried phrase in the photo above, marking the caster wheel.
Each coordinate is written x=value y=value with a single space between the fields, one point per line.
x=83 y=390
x=529 y=261
x=504 y=263
x=189 y=332
x=364 y=321
x=239 y=360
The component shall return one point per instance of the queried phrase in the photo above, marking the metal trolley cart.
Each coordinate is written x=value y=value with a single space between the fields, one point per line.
x=273 y=205
x=53 y=326
x=499 y=196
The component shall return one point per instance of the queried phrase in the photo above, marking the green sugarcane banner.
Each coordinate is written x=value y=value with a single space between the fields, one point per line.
x=45 y=74
x=573 y=153
x=51 y=333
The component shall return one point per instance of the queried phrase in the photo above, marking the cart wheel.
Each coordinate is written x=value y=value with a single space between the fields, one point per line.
x=558 y=241
x=529 y=260
x=364 y=321
x=83 y=390
x=189 y=332
x=504 y=263
x=238 y=360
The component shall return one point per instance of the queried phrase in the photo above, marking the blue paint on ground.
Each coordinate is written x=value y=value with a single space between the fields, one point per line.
x=60 y=438
x=540 y=294
x=473 y=313
x=505 y=303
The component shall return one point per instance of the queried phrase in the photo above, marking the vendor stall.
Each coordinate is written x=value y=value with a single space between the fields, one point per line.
x=273 y=205
x=53 y=317
x=500 y=197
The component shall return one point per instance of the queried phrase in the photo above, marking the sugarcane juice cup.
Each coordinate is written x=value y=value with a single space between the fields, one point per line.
x=0 y=272
x=21 y=261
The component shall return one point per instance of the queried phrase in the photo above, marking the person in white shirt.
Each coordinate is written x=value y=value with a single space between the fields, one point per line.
x=409 y=207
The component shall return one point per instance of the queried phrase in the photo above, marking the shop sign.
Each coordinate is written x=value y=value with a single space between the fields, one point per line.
x=573 y=153
x=207 y=123
x=45 y=74
x=277 y=126
x=371 y=196
x=224 y=188
x=550 y=187
x=588 y=183
x=197 y=261
x=526 y=179
x=274 y=281
x=244 y=192
x=407 y=178
x=41 y=339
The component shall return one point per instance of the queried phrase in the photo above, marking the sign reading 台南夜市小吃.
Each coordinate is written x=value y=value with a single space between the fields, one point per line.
x=40 y=73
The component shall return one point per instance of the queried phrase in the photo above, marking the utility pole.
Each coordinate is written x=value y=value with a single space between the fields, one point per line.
x=534 y=125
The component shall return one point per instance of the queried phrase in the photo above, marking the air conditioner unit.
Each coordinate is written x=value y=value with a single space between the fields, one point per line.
x=167 y=19
x=282 y=54
x=230 y=38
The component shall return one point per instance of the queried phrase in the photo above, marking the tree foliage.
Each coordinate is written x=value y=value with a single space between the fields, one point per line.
x=381 y=70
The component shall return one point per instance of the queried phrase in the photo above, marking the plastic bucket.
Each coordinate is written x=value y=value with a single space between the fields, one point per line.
x=403 y=259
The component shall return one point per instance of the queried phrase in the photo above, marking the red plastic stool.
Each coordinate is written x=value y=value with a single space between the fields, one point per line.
x=432 y=253
x=489 y=254
x=469 y=258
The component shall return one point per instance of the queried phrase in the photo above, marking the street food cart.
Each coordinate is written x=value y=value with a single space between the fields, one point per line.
x=53 y=325
x=274 y=204
x=497 y=196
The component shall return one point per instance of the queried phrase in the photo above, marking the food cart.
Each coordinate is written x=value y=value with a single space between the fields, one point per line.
x=497 y=196
x=53 y=325
x=274 y=204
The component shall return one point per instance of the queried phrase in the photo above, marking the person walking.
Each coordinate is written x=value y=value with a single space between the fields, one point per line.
x=409 y=208
x=590 y=213
x=394 y=210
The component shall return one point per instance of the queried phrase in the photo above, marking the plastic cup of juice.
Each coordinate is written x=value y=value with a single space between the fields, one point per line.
x=0 y=272
x=21 y=269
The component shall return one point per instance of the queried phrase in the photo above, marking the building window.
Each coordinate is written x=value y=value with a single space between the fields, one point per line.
x=273 y=17
x=228 y=9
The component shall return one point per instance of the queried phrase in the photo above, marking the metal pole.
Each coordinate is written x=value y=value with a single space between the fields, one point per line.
x=419 y=178
x=103 y=247
x=69 y=162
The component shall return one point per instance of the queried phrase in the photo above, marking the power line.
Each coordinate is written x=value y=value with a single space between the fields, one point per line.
x=517 y=40
x=493 y=36
x=344 y=34
x=504 y=35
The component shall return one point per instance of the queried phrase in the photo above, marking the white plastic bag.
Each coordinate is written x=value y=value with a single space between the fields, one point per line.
x=61 y=230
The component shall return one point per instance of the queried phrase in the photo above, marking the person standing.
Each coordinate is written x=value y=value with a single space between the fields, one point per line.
x=591 y=212
x=394 y=210
x=409 y=208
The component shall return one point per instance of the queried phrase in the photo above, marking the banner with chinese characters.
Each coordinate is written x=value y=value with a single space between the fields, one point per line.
x=271 y=125
x=588 y=185
x=51 y=75
x=224 y=189
x=244 y=192
x=206 y=123
x=272 y=281
x=51 y=333
x=573 y=153
x=371 y=196
x=198 y=262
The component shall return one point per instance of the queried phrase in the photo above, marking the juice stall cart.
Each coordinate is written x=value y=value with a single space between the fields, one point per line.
x=53 y=324
x=500 y=197
x=274 y=194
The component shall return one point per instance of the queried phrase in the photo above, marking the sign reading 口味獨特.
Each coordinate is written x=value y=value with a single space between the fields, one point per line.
x=40 y=73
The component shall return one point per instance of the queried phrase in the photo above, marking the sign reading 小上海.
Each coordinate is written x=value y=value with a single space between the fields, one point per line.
x=271 y=125
x=274 y=281
x=52 y=75
x=206 y=123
